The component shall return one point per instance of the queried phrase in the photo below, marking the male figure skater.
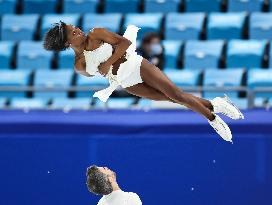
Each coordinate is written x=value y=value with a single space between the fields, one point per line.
x=102 y=181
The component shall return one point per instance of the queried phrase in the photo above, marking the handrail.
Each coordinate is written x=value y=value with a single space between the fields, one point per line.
x=251 y=92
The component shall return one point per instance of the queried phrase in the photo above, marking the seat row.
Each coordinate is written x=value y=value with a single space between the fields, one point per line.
x=113 y=103
x=190 y=55
x=177 y=26
x=254 y=78
x=129 y=6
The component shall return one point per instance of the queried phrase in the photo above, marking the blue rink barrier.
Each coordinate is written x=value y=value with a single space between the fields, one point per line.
x=166 y=157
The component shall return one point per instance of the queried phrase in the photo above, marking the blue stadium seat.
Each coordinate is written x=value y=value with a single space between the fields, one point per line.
x=52 y=78
x=80 y=6
x=3 y=102
x=66 y=59
x=202 y=5
x=203 y=54
x=95 y=81
x=144 y=103
x=121 y=6
x=8 y=6
x=161 y=6
x=111 y=22
x=245 y=53
x=6 y=50
x=241 y=103
x=13 y=78
x=260 y=26
x=120 y=103
x=19 y=27
x=71 y=103
x=171 y=53
x=39 y=6
x=270 y=55
x=147 y=22
x=28 y=103
x=98 y=104
x=261 y=101
x=49 y=19
x=184 y=26
x=226 y=25
x=184 y=77
x=221 y=78
x=32 y=55
x=259 y=79
x=245 y=5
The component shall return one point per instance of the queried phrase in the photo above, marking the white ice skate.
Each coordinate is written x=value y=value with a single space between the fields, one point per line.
x=221 y=128
x=226 y=107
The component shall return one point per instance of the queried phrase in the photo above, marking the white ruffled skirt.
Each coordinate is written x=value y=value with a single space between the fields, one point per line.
x=128 y=73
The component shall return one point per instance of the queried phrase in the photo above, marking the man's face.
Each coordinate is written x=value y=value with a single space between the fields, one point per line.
x=110 y=174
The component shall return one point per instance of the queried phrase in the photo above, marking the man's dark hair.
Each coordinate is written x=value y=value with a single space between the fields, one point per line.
x=56 y=38
x=97 y=182
x=149 y=36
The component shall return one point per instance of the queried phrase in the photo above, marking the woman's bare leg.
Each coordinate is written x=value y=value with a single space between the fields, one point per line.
x=156 y=79
x=145 y=91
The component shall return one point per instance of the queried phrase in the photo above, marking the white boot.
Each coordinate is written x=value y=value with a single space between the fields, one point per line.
x=226 y=107
x=221 y=128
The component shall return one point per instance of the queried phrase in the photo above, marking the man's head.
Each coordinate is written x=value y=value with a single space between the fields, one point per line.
x=100 y=180
x=62 y=36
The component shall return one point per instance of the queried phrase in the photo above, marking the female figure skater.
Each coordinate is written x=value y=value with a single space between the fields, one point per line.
x=114 y=57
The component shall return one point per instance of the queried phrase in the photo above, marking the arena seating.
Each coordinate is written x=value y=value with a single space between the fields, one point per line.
x=215 y=38
x=39 y=6
x=260 y=78
x=153 y=6
x=121 y=6
x=49 y=78
x=248 y=54
x=203 y=54
x=171 y=53
x=249 y=6
x=6 y=49
x=2 y=102
x=184 y=26
x=226 y=25
x=83 y=6
x=31 y=54
x=120 y=103
x=111 y=22
x=71 y=103
x=270 y=56
x=147 y=22
x=66 y=59
x=19 y=27
x=28 y=103
x=202 y=5
x=85 y=81
x=230 y=78
x=260 y=26
x=50 y=19
x=8 y=6
x=184 y=78
x=14 y=78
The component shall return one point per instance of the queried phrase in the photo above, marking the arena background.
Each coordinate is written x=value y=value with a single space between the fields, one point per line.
x=51 y=129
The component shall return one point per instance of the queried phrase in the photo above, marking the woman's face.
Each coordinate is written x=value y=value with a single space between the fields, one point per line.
x=75 y=36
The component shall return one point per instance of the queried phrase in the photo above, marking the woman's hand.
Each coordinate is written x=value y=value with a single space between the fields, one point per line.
x=104 y=68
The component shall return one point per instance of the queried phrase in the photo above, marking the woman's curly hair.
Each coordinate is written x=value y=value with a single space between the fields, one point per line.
x=55 y=39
